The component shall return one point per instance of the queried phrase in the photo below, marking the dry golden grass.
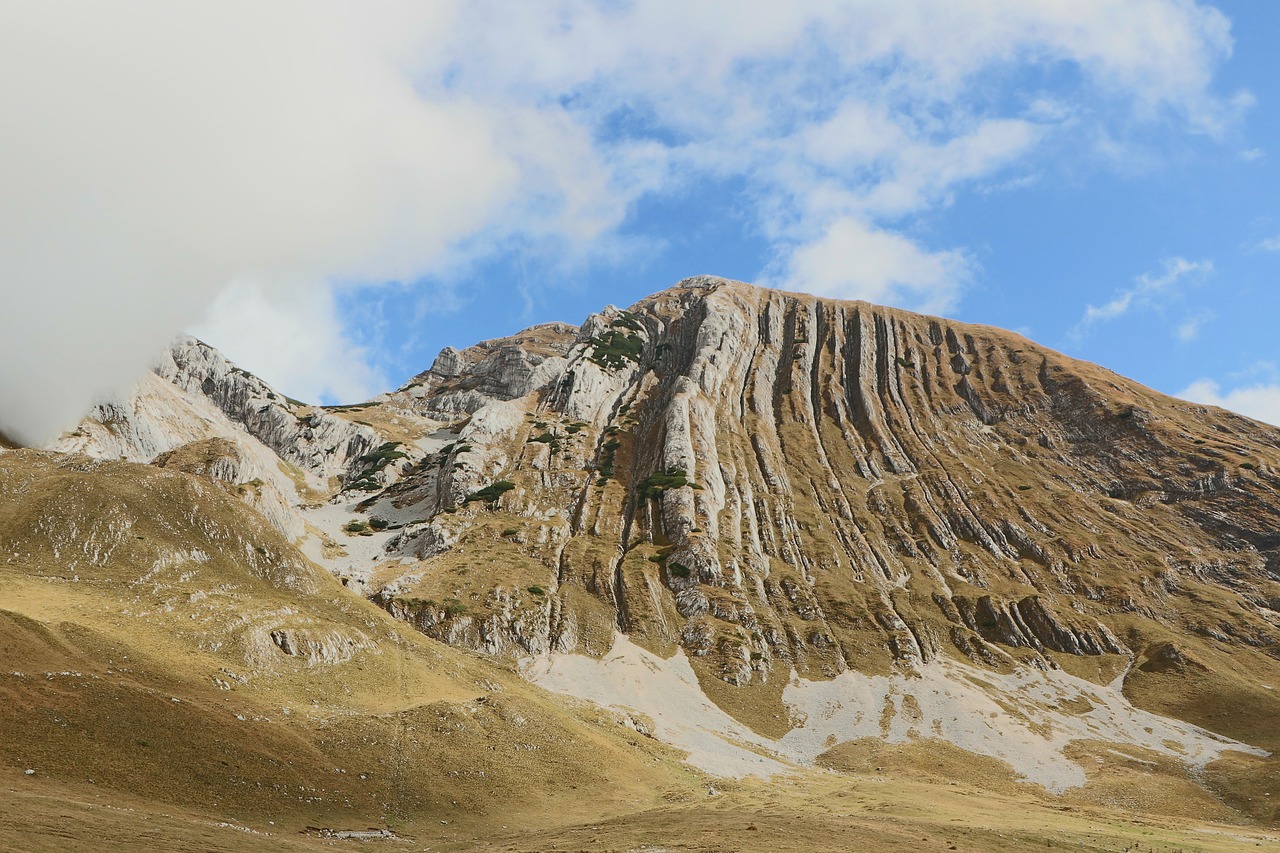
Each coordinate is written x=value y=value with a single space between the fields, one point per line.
x=151 y=673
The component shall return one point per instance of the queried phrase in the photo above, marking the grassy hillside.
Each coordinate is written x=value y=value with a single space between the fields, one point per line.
x=160 y=642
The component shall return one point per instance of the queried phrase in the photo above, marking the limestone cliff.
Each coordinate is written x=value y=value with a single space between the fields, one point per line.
x=775 y=481
x=199 y=413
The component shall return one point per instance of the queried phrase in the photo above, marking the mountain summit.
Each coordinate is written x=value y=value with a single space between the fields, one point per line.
x=780 y=530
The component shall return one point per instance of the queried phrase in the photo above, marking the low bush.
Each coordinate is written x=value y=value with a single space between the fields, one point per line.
x=661 y=481
x=490 y=494
x=614 y=349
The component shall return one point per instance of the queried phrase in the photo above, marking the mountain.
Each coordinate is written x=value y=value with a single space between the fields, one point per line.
x=779 y=532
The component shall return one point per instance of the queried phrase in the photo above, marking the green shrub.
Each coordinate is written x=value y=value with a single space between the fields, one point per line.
x=537 y=590
x=511 y=531
x=355 y=526
x=608 y=451
x=614 y=349
x=627 y=320
x=378 y=523
x=374 y=462
x=384 y=454
x=678 y=570
x=490 y=494
x=547 y=438
x=661 y=481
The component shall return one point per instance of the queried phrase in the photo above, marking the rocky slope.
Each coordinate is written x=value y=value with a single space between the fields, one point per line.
x=778 y=486
x=772 y=481
x=779 y=492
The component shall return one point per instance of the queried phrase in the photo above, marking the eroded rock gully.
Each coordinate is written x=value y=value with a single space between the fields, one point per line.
x=775 y=481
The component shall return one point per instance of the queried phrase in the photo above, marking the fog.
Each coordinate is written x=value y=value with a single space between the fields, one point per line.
x=153 y=152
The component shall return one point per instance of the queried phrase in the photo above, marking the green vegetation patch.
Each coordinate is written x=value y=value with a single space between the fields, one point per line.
x=490 y=493
x=550 y=439
x=614 y=349
x=661 y=481
x=608 y=452
x=627 y=320
x=374 y=462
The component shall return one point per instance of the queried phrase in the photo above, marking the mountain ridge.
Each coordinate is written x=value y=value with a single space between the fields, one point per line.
x=778 y=497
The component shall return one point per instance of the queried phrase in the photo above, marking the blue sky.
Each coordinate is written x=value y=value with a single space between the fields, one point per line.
x=1183 y=221
x=371 y=181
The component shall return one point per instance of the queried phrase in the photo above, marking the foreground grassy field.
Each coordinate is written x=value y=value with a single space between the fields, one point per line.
x=807 y=812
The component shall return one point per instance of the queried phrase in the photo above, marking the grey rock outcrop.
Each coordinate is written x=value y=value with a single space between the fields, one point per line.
x=772 y=480
x=320 y=443
x=462 y=381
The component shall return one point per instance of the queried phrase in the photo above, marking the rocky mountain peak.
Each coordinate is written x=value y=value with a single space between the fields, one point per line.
x=774 y=481
x=777 y=501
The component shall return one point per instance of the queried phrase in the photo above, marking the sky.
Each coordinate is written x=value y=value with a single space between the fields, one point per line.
x=331 y=192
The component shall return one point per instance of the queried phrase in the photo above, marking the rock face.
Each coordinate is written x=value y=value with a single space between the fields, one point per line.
x=462 y=381
x=802 y=522
x=314 y=440
x=196 y=394
x=773 y=481
x=201 y=414
x=768 y=481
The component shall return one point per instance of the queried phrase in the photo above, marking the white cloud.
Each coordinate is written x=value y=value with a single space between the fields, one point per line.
x=852 y=260
x=1189 y=329
x=155 y=151
x=1261 y=402
x=1271 y=244
x=843 y=111
x=1249 y=155
x=292 y=335
x=1145 y=289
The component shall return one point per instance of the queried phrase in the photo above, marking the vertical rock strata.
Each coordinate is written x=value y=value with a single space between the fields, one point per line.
x=775 y=481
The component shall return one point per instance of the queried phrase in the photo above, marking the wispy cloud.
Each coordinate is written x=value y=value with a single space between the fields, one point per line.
x=1261 y=402
x=371 y=141
x=1189 y=329
x=853 y=260
x=1270 y=244
x=1144 y=292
